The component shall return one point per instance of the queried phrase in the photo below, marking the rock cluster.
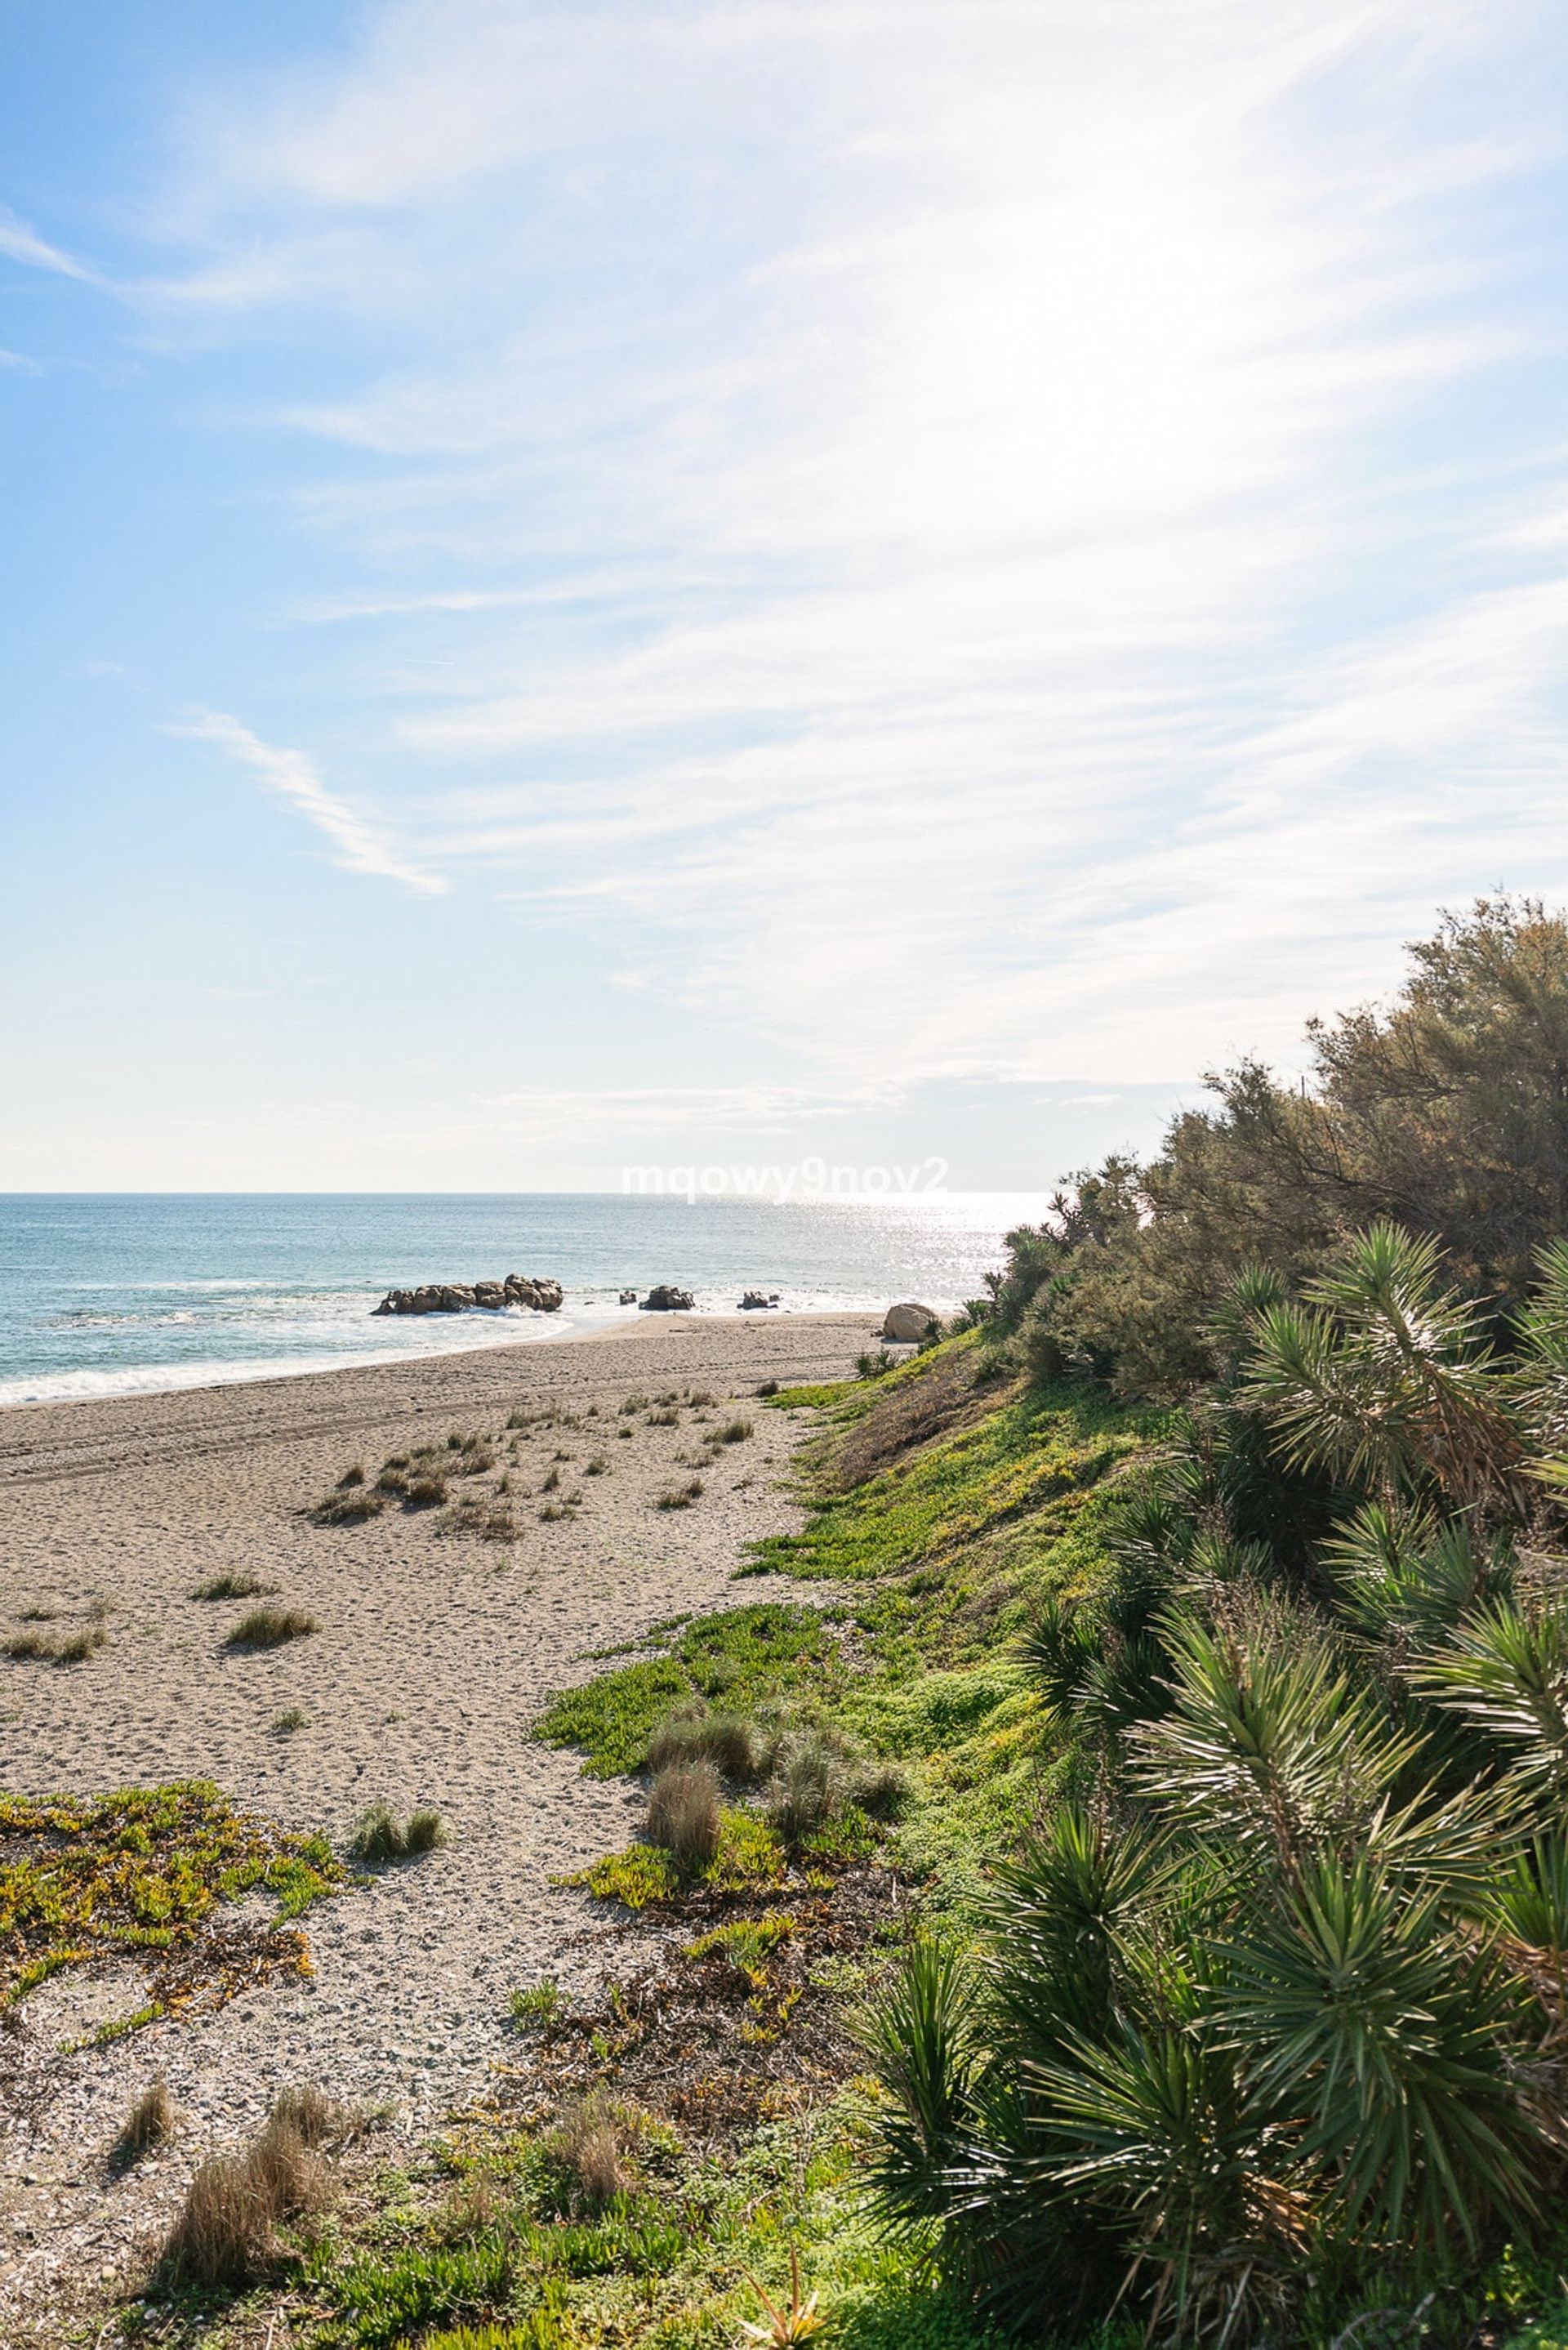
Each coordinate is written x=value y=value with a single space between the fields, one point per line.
x=667 y=1299
x=908 y=1324
x=629 y=1297
x=448 y=1297
x=756 y=1302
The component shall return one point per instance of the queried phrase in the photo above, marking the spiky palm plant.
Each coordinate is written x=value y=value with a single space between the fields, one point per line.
x=1385 y=1377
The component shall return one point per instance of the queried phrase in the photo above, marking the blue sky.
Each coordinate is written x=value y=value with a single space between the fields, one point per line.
x=611 y=583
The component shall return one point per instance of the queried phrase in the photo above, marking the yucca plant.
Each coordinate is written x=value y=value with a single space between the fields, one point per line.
x=1386 y=1377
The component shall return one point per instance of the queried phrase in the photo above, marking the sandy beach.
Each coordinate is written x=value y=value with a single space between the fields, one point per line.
x=436 y=1649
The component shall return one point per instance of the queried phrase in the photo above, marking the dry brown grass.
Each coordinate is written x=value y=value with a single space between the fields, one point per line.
x=683 y=1811
x=149 y=2123
x=226 y=2233
x=680 y=1497
x=72 y=1649
x=910 y=1416
x=597 y=2141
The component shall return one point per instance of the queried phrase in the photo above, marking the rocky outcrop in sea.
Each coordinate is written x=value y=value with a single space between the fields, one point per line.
x=493 y=1296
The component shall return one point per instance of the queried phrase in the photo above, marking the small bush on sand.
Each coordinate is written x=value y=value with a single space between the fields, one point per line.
x=872 y=1367
x=701 y=1398
x=735 y=1431
x=232 y=1585
x=36 y=1615
x=664 y=1418
x=598 y=1467
x=598 y=2142
x=551 y=1482
x=634 y=1404
x=270 y=1628
x=680 y=1497
x=292 y=1718
x=538 y=2003
x=768 y=1388
x=683 y=1813
x=350 y=1477
x=732 y=1742
x=626 y=1432
x=226 y=2233
x=149 y=2123
x=380 y=1835
x=425 y=1489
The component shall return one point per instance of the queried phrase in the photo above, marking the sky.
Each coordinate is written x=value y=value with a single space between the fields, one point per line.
x=613 y=584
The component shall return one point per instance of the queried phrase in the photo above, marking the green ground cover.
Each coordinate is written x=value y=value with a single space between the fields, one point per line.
x=151 y=1873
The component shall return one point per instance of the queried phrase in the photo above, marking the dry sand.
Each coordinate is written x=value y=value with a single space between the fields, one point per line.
x=435 y=1652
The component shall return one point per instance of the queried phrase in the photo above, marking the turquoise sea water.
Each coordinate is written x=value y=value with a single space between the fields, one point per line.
x=113 y=1295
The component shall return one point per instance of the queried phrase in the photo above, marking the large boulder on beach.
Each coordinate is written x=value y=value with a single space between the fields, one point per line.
x=907 y=1324
x=664 y=1298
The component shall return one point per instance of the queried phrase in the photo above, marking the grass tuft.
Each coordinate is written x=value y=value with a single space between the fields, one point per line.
x=225 y=2236
x=680 y=1497
x=380 y=1837
x=271 y=1628
x=149 y=2123
x=683 y=1813
x=232 y=1585
x=74 y=1648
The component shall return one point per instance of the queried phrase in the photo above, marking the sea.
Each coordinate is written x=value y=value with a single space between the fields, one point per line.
x=117 y=1293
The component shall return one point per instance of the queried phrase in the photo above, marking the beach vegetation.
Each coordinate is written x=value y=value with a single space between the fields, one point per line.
x=350 y=1505
x=380 y=1835
x=734 y=1743
x=153 y=1873
x=683 y=1811
x=733 y=1431
x=292 y=1718
x=537 y=2003
x=149 y=2123
x=733 y=1662
x=226 y=2234
x=235 y=1582
x=272 y=1628
x=60 y=1649
x=681 y=1496
x=488 y=1516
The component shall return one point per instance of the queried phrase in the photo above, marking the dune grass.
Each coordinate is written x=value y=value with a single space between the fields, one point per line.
x=271 y=1628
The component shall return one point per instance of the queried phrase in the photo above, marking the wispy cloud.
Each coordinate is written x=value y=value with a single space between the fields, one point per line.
x=1021 y=538
x=20 y=243
x=363 y=844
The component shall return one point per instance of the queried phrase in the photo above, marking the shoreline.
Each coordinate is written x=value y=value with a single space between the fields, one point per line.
x=225 y=1412
x=581 y=1323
